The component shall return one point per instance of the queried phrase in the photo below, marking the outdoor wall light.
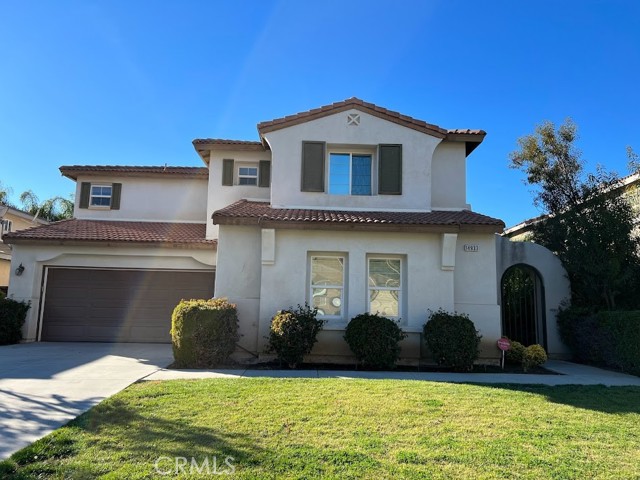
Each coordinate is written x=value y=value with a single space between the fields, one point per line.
x=20 y=270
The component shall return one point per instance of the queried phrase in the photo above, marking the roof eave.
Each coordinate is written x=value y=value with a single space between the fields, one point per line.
x=204 y=245
x=355 y=226
x=292 y=120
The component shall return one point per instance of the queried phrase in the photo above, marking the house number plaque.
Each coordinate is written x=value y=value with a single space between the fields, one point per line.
x=471 y=248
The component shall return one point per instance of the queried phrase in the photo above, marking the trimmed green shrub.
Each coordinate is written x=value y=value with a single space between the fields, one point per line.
x=605 y=338
x=620 y=344
x=12 y=317
x=293 y=334
x=374 y=340
x=534 y=356
x=579 y=331
x=515 y=354
x=203 y=332
x=452 y=339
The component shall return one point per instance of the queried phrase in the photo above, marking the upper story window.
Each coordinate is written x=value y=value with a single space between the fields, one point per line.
x=248 y=175
x=257 y=174
x=6 y=226
x=350 y=174
x=101 y=195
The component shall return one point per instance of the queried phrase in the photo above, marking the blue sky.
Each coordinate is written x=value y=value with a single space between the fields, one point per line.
x=133 y=82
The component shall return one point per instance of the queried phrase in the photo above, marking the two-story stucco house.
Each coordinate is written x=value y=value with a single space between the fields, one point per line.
x=349 y=207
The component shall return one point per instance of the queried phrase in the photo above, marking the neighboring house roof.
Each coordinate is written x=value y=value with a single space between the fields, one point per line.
x=471 y=137
x=527 y=225
x=246 y=212
x=73 y=171
x=23 y=214
x=94 y=231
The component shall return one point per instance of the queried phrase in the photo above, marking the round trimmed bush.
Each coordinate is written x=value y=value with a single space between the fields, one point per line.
x=534 y=356
x=452 y=339
x=203 y=332
x=293 y=334
x=374 y=340
x=515 y=354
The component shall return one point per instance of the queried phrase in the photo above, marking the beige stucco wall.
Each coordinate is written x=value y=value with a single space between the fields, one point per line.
x=238 y=278
x=150 y=199
x=417 y=151
x=19 y=222
x=220 y=196
x=262 y=288
x=5 y=268
x=448 y=176
x=36 y=257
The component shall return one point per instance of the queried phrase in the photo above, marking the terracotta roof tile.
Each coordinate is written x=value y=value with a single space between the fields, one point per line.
x=114 y=231
x=72 y=171
x=245 y=212
x=356 y=103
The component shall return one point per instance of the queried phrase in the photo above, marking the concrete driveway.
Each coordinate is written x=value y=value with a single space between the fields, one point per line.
x=44 y=385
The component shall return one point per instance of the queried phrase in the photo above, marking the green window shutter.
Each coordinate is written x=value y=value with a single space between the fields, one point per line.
x=227 y=172
x=313 y=166
x=390 y=170
x=85 y=193
x=116 y=193
x=264 y=174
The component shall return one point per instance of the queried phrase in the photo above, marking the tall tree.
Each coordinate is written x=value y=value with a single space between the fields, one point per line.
x=5 y=193
x=590 y=225
x=52 y=209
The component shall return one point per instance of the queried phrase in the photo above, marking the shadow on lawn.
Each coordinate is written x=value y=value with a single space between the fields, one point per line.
x=138 y=435
x=591 y=397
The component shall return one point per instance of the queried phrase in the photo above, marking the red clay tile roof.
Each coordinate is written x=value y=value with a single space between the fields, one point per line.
x=366 y=107
x=75 y=230
x=245 y=212
x=72 y=171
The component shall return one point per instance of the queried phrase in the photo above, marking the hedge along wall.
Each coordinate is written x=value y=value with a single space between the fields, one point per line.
x=609 y=338
x=621 y=334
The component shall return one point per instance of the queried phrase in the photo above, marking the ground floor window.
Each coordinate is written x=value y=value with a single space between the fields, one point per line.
x=327 y=285
x=385 y=286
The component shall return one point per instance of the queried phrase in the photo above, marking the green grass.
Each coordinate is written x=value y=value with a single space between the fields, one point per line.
x=331 y=428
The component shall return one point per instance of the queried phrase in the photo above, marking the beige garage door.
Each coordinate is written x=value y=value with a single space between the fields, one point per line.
x=86 y=305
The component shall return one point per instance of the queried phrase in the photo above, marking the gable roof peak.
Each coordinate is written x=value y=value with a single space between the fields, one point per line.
x=376 y=111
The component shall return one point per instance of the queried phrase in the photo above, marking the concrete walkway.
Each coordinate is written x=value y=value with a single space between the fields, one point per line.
x=571 y=374
x=45 y=385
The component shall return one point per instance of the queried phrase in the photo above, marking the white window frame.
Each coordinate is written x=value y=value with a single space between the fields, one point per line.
x=256 y=176
x=399 y=289
x=5 y=226
x=342 y=287
x=351 y=152
x=92 y=196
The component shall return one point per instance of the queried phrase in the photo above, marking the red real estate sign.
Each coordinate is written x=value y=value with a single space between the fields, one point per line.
x=504 y=344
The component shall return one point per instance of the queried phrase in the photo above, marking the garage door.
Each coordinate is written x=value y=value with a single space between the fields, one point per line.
x=86 y=305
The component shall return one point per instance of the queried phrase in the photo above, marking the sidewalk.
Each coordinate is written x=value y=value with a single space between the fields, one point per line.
x=571 y=374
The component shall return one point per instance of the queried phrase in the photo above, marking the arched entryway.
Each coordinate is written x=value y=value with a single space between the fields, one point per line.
x=523 y=308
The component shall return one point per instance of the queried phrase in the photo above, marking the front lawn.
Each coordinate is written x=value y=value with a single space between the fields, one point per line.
x=292 y=428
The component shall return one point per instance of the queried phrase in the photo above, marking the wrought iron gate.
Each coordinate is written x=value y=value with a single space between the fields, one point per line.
x=522 y=306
